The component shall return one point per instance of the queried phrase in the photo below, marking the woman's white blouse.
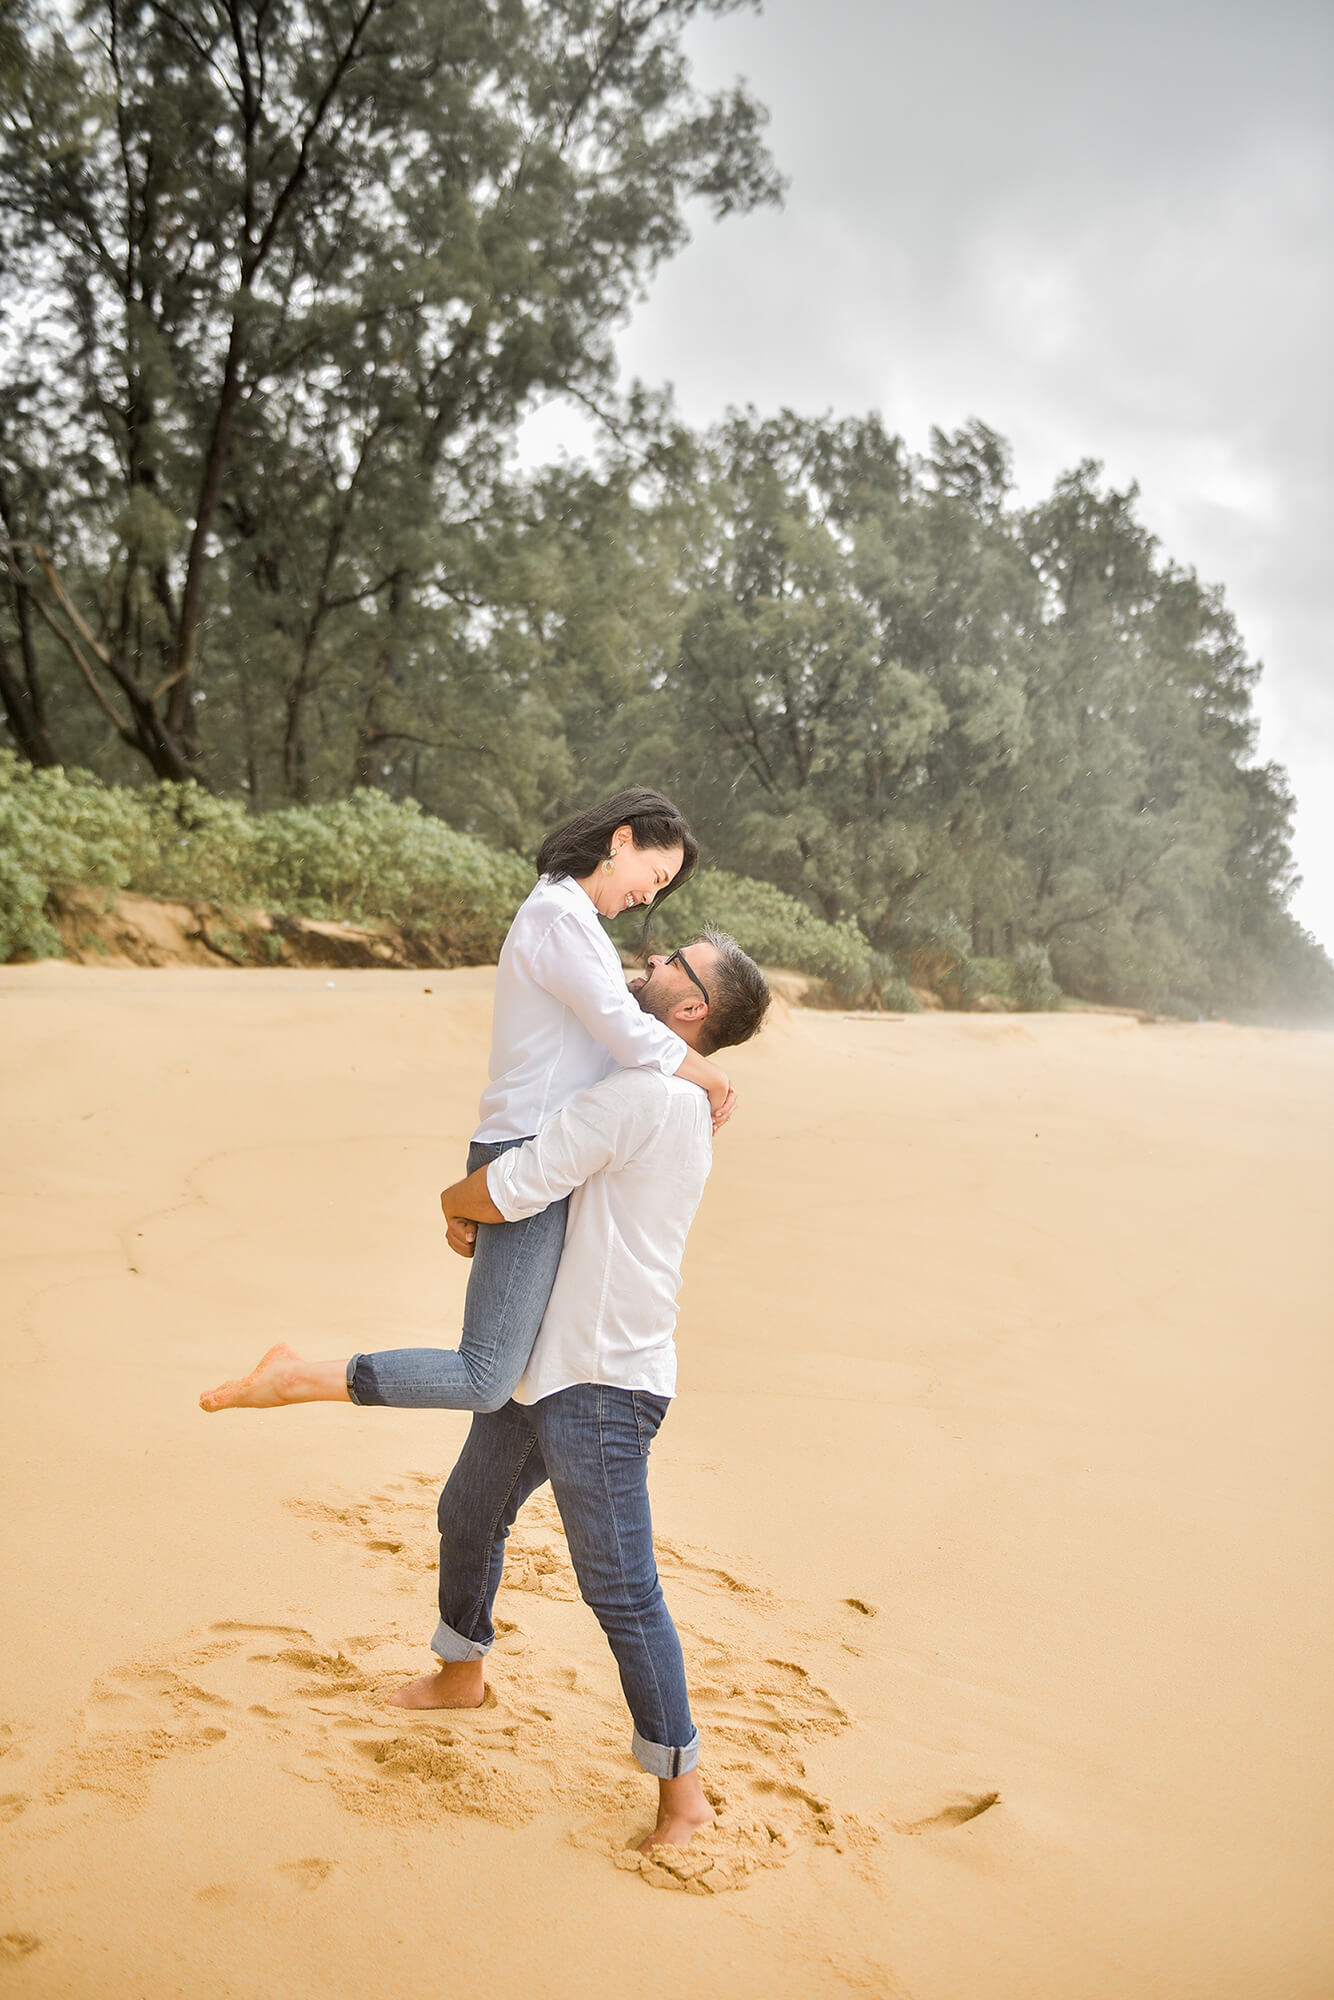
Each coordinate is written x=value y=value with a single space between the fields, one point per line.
x=564 y=1017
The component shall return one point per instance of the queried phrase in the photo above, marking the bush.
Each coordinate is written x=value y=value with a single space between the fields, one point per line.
x=365 y=857
x=47 y=835
x=938 y=953
x=775 y=929
x=1032 y=987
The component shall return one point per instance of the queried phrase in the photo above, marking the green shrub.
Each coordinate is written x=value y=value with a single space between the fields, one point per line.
x=362 y=858
x=894 y=995
x=365 y=857
x=1032 y=987
x=938 y=953
x=774 y=928
x=997 y=976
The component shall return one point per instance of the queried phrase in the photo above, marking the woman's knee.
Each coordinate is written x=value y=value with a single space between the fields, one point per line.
x=493 y=1384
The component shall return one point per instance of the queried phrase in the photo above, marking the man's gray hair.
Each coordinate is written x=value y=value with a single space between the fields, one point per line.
x=738 y=995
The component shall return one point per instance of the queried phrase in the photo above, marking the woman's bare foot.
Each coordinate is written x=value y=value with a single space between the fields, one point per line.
x=682 y=1811
x=282 y=1377
x=458 y=1684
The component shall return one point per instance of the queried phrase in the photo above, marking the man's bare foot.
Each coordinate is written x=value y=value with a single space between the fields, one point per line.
x=683 y=1810
x=457 y=1684
x=282 y=1377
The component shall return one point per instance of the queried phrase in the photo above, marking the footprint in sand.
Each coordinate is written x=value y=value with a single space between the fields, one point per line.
x=138 y=1717
x=307 y=1874
x=551 y=1736
x=11 y=1803
x=18 y=1944
x=759 y=1712
x=957 y=1814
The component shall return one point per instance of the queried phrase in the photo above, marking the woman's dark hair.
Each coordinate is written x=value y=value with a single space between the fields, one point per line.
x=582 y=843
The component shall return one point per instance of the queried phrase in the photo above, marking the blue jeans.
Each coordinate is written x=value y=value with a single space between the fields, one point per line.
x=592 y=1442
x=513 y=1269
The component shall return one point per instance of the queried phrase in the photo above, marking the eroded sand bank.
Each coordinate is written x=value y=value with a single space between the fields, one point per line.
x=999 y=1469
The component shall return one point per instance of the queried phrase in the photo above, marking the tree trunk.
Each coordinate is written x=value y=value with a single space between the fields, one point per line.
x=23 y=716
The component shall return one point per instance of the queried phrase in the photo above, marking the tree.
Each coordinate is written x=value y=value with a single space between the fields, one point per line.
x=846 y=657
x=303 y=267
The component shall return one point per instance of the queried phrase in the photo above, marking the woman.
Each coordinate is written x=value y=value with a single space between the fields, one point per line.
x=563 y=1019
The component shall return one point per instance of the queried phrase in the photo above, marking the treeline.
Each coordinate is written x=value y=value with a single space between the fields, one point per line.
x=300 y=272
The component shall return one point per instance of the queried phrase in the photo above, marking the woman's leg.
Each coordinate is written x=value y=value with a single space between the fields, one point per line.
x=282 y=1377
x=513 y=1269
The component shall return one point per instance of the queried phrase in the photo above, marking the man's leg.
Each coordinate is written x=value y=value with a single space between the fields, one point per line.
x=500 y=1465
x=596 y=1440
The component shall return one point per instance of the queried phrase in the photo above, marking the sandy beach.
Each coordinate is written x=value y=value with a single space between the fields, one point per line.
x=994 y=1511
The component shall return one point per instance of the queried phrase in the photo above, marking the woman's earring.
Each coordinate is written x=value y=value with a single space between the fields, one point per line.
x=609 y=865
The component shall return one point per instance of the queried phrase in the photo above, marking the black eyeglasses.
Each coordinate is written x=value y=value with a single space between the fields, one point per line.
x=679 y=958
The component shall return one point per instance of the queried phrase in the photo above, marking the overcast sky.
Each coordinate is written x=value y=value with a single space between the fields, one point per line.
x=1102 y=230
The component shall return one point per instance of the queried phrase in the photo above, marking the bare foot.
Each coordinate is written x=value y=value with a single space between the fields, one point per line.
x=457 y=1684
x=281 y=1377
x=682 y=1811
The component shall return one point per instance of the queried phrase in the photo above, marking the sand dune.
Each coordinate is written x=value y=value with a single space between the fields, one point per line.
x=994 y=1512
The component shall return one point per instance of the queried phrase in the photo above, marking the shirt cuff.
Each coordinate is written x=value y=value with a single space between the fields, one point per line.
x=671 y=1059
x=498 y=1179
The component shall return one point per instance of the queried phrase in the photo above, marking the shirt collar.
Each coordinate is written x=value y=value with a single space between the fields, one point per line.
x=578 y=899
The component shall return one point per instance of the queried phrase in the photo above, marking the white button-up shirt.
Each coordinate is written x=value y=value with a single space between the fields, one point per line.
x=564 y=1017
x=633 y=1153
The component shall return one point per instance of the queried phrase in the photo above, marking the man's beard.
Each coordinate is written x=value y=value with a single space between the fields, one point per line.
x=641 y=986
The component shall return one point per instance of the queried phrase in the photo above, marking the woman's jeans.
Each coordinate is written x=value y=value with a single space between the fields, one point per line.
x=513 y=1269
x=592 y=1442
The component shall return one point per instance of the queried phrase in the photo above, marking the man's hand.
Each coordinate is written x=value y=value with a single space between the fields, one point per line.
x=461 y=1236
x=466 y=1204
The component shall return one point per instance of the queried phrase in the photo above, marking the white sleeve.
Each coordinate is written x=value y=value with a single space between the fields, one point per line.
x=568 y=965
x=600 y=1128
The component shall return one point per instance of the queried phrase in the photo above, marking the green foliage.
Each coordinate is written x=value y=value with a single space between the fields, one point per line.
x=366 y=857
x=363 y=858
x=302 y=271
x=774 y=928
x=53 y=828
x=1032 y=987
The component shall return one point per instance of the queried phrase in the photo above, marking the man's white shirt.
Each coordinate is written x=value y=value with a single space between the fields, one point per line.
x=633 y=1153
x=564 y=1017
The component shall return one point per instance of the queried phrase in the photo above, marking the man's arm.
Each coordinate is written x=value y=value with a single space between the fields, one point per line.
x=599 y=1128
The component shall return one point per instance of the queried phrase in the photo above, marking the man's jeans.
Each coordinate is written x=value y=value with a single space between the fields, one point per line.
x=592 y=1442
x=513 y=1269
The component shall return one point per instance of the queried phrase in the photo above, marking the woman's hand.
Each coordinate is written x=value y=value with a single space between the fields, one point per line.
x=722 y=1101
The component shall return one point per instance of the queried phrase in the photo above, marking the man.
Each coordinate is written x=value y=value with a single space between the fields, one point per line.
x=634 y=1153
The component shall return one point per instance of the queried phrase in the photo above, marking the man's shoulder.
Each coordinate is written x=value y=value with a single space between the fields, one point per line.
x=649 y=1095
x=680 y=1107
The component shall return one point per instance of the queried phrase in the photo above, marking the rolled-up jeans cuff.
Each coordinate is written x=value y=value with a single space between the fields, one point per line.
x=662 y=1760
x=451 y=1645
x=361 y=1387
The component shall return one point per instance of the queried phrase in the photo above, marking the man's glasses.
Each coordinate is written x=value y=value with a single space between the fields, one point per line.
x=679 y=958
